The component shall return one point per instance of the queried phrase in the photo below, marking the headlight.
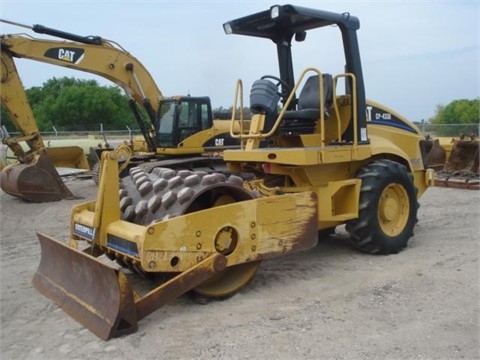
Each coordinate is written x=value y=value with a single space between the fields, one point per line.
x=275 y=12
x=227 y=28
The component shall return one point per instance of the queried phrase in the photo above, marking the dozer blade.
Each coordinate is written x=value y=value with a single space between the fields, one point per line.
x=99 y=296
x=95 y=294
x=35 y=182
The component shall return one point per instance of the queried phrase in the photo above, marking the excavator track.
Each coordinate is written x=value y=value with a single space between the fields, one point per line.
x=151 y=195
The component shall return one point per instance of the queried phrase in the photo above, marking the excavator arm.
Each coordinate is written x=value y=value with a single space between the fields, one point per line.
x=14 y=101
x=97 y=56
x=35 y=178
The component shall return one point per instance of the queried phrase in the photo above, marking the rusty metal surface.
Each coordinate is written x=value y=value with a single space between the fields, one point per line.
x=94 y=294
x=180 y=284
x=36 y=182
x=309 y=228
x=462 y=168
x=436 y=155
x=458 y=183
x=464 y=156
x=99 y=296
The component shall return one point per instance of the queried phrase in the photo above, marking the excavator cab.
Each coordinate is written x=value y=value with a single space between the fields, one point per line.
x=180 y=117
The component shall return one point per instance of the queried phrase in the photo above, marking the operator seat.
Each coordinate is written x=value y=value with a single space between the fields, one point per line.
x=303 y=120
x=264 y=99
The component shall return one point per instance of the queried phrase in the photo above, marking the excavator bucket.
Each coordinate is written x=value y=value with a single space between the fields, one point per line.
x=461 y=169
x=95 y=294
x=36 y=182
x=68 y=157
x=436 y=155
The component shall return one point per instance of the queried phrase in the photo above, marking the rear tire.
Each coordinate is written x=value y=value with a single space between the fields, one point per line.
x=387 y=210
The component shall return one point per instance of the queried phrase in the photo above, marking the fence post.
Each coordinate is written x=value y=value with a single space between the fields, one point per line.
x=129 y=133
x=55 y=130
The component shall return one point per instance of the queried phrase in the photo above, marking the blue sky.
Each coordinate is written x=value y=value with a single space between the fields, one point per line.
x=416 y=54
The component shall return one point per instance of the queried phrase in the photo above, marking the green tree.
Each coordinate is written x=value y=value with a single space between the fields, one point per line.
x=463 y=111
x=70 y=104
x=226 y=113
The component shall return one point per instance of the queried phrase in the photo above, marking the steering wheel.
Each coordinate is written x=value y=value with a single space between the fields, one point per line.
x=285 y=87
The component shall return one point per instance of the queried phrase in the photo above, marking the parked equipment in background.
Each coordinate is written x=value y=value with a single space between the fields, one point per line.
x=456 y=161
x=178 y=131
x=34 y=178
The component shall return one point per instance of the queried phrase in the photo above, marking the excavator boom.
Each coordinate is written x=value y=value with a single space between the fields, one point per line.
x=97 y=56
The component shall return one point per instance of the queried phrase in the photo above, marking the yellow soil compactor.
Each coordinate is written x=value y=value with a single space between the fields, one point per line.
x=319 y=160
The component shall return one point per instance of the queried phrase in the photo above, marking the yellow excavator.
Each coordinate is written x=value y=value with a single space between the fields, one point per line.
x=325 y=158
x=178 y=131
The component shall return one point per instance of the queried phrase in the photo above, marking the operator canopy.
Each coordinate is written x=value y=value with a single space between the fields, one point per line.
x=281 y=22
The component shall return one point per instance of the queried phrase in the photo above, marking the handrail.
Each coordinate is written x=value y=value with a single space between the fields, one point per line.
x=238 y=91
x=251 y=135
x=354 y=106
x=258 y=135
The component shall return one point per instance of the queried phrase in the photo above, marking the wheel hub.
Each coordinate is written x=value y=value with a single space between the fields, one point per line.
x=393 y=209
x=226 y=240
x=390 y=210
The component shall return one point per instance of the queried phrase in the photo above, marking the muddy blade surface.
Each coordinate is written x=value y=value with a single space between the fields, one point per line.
x=37 y=182
x=461 y=171
x=464 y=157
x=96 y=295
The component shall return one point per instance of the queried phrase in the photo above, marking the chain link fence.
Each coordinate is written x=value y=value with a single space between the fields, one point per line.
x=453 y=130
x=88 y=132
x=434 y=130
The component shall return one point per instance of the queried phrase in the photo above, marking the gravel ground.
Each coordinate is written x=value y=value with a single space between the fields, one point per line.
x=330 y=302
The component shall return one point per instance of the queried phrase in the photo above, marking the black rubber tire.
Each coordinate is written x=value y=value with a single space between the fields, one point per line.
x=384 y=182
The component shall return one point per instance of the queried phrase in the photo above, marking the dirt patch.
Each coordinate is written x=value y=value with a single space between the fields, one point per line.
x=330 y=302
